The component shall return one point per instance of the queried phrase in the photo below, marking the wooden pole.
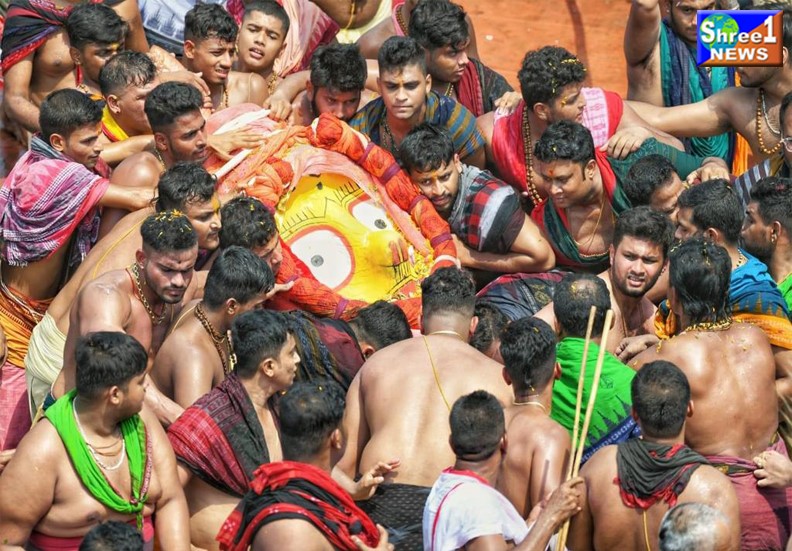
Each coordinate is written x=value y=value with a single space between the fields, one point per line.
x=562 y=535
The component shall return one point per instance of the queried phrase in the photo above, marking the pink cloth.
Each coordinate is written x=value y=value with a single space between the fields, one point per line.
x=765 y=513
x=602 y=114
x=14 y=411
x=309 y=28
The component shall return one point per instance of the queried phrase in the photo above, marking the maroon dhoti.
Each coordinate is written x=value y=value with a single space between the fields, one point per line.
x=765 y=514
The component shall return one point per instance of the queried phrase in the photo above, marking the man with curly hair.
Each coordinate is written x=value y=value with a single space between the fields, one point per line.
x=551 y=82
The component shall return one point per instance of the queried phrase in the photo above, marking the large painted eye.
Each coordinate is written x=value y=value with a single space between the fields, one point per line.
x=327 y=254
x=371 y=215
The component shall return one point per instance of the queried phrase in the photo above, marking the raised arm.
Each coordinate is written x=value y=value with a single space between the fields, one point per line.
x=643 y=31
x=129 y=11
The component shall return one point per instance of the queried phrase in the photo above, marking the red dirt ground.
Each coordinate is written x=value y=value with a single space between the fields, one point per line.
x=592 y=29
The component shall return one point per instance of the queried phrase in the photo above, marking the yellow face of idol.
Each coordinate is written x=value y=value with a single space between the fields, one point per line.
x=347 y=239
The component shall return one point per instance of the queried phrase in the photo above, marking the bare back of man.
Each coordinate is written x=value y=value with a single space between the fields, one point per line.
x=115 y=251
x=536 y=458
x=732 y=382
x=141 y=170
x=608 y=524
x=398 y=405
x=187 y=365
x=57 y=492
x=36 y=279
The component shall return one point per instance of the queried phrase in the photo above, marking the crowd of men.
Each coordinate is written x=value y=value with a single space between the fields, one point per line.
x=173 y=376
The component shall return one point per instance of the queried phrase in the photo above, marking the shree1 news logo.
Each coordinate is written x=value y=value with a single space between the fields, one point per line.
x=740 y=38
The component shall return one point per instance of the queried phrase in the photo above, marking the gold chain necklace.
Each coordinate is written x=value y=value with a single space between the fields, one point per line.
x=529 y=403
x=217 y=338
x=762 y=147
x=449 y=89
x=533 y=193
x=155 y=319
x=272 y=81
x=740 y=259
x=594 y=233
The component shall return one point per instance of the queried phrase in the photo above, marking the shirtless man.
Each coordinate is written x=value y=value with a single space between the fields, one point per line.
x=50 y=203
x=186 y=188
x=173 y=111
x=196 y=356
x=335 y=84
x=491 y=232
x=125 y=81
x=303 y=482
x=638 y=256
x=33 y=70
x=96 y=34
x=141 y=300
x=398 y=25
x=735 y=108
x=412 y=424
x=210 y=35
x=56 y=489
x=712 y=210
x=649 y=480
x=732 y=375
x=536 y=461
x=653 y=182
x=262 y=37
x=221 y=439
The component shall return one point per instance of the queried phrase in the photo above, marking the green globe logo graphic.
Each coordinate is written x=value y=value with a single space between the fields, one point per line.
x=725 y=26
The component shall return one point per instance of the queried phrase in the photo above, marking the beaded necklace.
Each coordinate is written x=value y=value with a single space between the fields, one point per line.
x=533 y=193
x=759 y=109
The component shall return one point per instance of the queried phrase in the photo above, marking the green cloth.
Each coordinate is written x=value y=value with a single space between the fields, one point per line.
x=786 y=290
x=611 y=421
x=684 y=82
x=133 y=430
x=684 y=163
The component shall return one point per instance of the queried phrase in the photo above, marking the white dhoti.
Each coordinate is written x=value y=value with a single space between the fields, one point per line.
x=44 y=361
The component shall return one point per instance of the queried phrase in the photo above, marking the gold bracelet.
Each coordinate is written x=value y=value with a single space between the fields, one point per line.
x=352 y=8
